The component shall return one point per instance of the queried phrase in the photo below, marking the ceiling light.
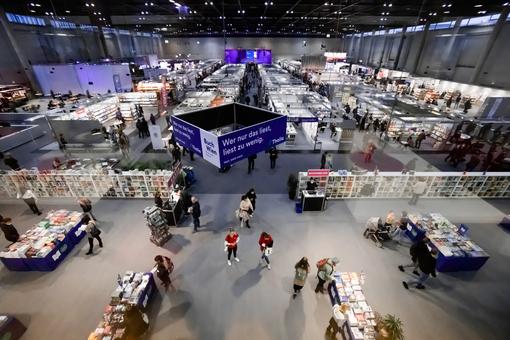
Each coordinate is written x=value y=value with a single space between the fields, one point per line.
x=446 y=12
x=482 y=12
x=476 y=6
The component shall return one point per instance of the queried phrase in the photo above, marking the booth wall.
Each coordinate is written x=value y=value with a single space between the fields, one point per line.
x=81 y=131
x=280 y=47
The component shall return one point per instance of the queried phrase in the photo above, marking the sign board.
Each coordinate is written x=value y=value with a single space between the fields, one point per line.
x=296 y=119
x=251 y=140
x=318 y=172
x=234 y=146
x=156 y=139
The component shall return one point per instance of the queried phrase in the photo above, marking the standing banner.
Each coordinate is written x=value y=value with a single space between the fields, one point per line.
x=156 y=139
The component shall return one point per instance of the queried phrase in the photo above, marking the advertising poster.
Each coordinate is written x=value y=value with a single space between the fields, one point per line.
x=242 y=143
x=187 y=135
x=210 y=150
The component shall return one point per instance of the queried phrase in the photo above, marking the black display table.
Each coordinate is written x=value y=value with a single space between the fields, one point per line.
x=312 y=201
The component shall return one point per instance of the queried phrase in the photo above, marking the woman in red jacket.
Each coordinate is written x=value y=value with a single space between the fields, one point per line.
x=231 y=241
x=266 y=247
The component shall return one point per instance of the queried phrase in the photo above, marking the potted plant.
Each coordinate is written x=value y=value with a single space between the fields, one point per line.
x=389 y=327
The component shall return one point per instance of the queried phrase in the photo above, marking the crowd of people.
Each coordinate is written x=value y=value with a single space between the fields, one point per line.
x=492 y=160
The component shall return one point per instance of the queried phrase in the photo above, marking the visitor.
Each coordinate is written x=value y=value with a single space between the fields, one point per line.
x=390 y=219
x=323 y=159
x=417 y=249
x=86 y=206
x=409 y=142
x=457 y=101
x=145 y=128
x=163 y=268
x=266 y=247
x=136 y=325
x=252 y=196
x=158 y=201
x=302 y=268
x=453 y=154
x=251 y=162
x=152 y=118
x=400 y=232
x=92 y=231
x=231 y=241
x=332 y=127
x=473 y=162
x=419 y=188
x=362 y=122
x=292 y=184
x=176 y=154
x=10 y=233
x=56 y=164
x=369 y=152
x=376 y=124
x=329 y=161
x=311 y=184
x=245 y=207
x=11 y=162
x=124 y=144
x=325 y=270
x=195 y=212
x=420 y=138
x=30 y=199
x=273 y=155
x=427 y=265
x=62 y=142
x=369 y=122
x=139 y=127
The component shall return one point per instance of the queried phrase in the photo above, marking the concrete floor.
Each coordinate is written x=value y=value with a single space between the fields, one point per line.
x=212 y=301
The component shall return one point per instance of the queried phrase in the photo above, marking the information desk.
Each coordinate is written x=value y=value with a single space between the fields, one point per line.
x=456 y=252
x=11 y=328
x=350 y=309
x=313 y=201
x=51 y=261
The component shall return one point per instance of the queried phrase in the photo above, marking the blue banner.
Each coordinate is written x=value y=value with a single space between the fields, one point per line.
x=302 y=119
x=187 y=135
x=251 y=140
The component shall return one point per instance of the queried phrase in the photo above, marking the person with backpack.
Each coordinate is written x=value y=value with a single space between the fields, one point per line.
x=195 y=212
x=302 y=268
x=231 y=241
x=325 y=269
x=86 y=206
x=92 y=231
x=427 y=265
x=266 y=247
x=164 y=267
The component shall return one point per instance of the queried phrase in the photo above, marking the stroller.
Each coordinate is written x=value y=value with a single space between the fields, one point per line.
x=377 y=231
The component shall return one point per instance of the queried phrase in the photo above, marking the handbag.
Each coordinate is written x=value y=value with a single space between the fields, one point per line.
x=94 y=231
x=268 y=251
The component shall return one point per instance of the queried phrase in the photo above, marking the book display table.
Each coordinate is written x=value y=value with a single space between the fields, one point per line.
x=45 y=246
x=456 y=252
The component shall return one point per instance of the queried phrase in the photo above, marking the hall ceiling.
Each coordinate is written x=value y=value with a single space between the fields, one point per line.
x=256 y=17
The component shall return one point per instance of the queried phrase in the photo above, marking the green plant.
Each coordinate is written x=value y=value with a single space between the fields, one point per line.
x=393 y=327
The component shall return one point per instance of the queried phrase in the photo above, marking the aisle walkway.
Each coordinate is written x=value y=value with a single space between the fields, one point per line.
x=214 y=302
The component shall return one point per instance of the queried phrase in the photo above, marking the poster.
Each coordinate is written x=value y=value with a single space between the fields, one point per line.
x=157 y=141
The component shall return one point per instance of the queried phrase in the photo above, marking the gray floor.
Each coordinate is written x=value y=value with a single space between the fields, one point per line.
x=212 y=301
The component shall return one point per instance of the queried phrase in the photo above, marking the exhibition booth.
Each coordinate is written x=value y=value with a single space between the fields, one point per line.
x=12 y=96
x=226 y=80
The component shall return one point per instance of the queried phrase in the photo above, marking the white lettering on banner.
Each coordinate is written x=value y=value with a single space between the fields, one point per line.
x=210 y=149
x=249 y=139
x=209 y=146
x=56 y=256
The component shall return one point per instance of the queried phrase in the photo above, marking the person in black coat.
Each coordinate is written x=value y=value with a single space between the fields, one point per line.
x=417 y=249
x=195 y=213
x=139 y=128
x=323 y=160
x=427 y=265
x=145 y=128
x=11 y=162
x=251 y=162
x=10 y=233
x=273 y=155
x=252 y=196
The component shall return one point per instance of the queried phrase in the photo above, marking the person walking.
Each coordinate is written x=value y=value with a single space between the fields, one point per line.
x=144 y=125
x=251 y=162
x=152 y=118
x=329 y=161
x=252 y=196
x=323 y=159
x=140 y=128
x=427 y=267
x=124 y=144
x=332 y=128
x=30 y=199
x=92 y=231
x=62 y=142
x=86 y=206
x=10 y=233
x=325 y=269
x=245 y=211
x=417 y=249
x=420 y=138
x=266 y=247
x=11 y=162
x=419 y=189
x=302 y=268
x=400 y=232
x=195 y=212
x=369 y=152
x=231 y=241
x=273 y=155
x=164 y=267
x=473 y=162
x=292 y=185
x=176 y=154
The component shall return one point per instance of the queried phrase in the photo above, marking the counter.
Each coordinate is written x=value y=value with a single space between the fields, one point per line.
x=313 y=201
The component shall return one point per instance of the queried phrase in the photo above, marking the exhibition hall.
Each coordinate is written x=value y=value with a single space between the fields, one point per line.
x=219 y=170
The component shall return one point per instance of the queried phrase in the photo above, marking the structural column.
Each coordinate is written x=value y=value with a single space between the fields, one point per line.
x=400 y=46
x=421 y=47
x=490 y=44
x=370 y=49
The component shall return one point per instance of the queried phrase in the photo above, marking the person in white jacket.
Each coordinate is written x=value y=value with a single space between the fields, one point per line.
x=30 y=199
x=245 y=211
x=419 y=189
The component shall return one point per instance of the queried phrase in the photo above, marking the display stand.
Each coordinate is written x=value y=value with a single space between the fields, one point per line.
x=172 y=212
x=160 y=231
x=11 y=328
x=312 y=201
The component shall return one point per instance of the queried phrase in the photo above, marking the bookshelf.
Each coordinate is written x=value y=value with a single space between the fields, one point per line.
x=87 y=183
x=397 y=185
